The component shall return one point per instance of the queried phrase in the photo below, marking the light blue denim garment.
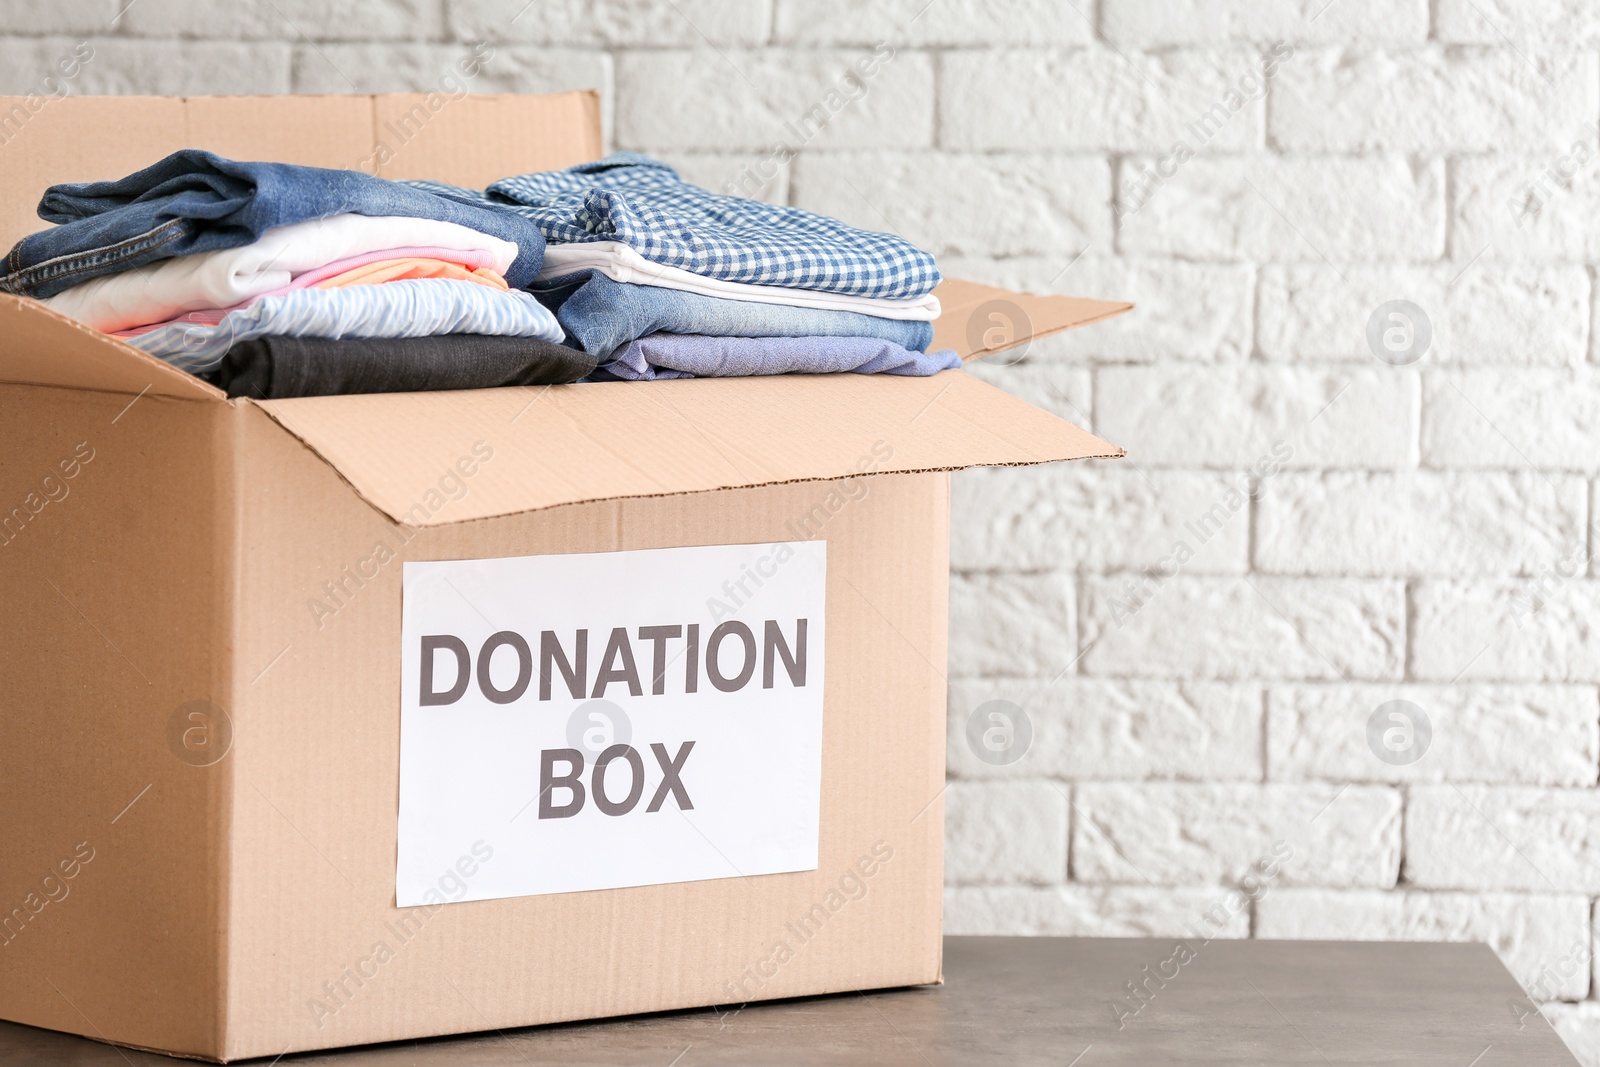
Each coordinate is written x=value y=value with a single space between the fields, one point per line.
x=685 y=355
x=602 y=315
x=194 y=201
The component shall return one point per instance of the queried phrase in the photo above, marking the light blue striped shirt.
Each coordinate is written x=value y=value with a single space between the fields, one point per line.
x=420 y=307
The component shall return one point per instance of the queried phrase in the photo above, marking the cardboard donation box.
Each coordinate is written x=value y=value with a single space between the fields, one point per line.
x=358 y=718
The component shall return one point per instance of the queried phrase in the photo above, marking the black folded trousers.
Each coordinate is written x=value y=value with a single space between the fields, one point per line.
x=275 y=368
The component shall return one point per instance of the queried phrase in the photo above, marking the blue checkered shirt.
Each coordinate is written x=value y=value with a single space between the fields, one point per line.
x=643 y=203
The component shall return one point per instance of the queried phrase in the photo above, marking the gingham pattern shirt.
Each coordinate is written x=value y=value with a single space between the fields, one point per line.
x=643 y=203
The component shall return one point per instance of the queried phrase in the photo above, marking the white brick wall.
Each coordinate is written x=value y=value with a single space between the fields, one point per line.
x=1499 y=314
x=1087 y=99
x=1430 y=100
x=1542 y=735
x=1331 y=417
x=1269 y=207
x=1200 y=634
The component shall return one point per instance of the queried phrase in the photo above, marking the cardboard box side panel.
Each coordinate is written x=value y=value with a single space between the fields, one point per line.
x=291 y=505
x=310 y=131
x=568 y=443
x=113 y=649
x=475 y=139
x=49 y=141
x=466 y=140
x=316 y=764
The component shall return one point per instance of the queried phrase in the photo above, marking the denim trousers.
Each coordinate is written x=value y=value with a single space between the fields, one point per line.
x=601 y=315
x=195 y=201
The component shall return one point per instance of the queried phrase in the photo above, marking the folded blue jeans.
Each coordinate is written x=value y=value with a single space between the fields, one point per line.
x=601 y=315
x=679 y=355
x=195 y=201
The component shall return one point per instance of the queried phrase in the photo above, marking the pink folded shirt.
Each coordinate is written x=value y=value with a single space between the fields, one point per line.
x=476 y=265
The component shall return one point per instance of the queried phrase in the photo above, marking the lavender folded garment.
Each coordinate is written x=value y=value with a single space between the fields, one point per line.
x=691 y=355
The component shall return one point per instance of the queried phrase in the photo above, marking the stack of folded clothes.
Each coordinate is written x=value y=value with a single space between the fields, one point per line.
x=657 y=278
x=272 y=280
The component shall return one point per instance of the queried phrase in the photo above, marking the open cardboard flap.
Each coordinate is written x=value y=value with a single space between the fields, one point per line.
x=564 y=444
x=41 y=347
x=976 y=320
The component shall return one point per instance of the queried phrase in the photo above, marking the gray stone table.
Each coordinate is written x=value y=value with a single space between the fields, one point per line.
x=1026 y=1001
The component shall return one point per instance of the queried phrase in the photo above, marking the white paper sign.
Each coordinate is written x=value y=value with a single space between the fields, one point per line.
x=608 y=719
